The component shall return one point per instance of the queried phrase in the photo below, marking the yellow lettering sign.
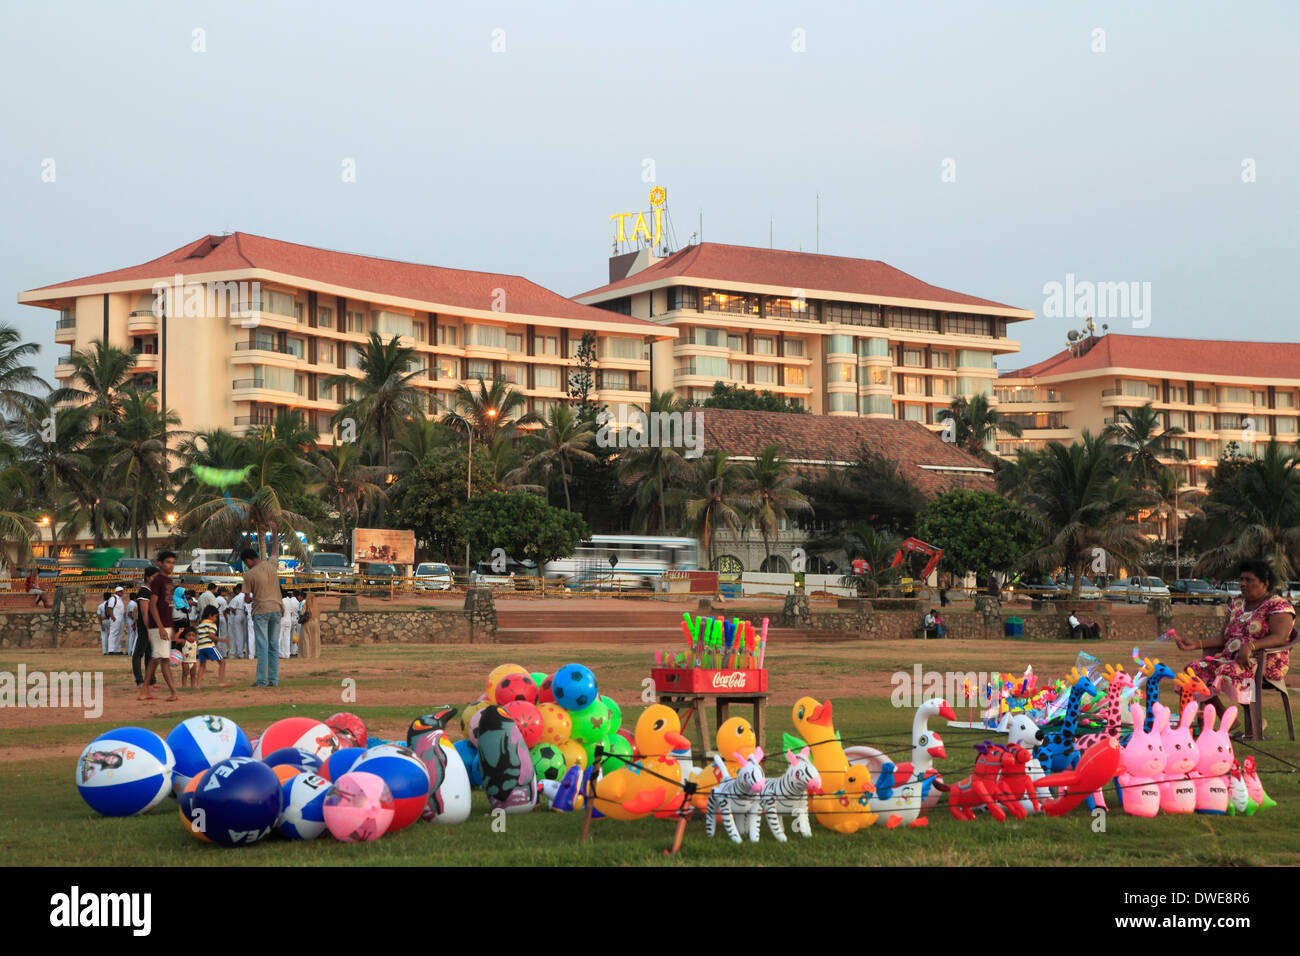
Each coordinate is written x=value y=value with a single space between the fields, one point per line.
x=658 y=197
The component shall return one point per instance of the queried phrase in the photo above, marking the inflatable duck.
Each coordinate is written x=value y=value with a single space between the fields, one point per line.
x=838 y=808
x=630 y=792
x=735 y=736
x=904 y=791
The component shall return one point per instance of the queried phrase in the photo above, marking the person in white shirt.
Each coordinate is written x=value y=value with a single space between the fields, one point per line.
x=132 y=628
x=101 y=612
x=288 y=621
x=116 y=621
x=223 y=624
x=234 y=615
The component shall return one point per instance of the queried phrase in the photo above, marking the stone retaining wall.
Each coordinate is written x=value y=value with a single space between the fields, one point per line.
x=432 y=626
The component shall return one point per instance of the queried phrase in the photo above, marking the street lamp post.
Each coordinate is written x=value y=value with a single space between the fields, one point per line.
x=469 y=486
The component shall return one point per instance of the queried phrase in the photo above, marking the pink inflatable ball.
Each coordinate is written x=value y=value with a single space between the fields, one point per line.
x=359 y=807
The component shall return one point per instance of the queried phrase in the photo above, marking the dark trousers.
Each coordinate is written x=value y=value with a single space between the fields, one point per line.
x=1086 y=632
x=141 y=656
x=943 y=597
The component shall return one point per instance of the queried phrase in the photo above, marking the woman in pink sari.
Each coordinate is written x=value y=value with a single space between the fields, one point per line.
x=1257 y=620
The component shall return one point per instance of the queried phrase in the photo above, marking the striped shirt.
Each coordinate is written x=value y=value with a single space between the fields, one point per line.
x=207 y=632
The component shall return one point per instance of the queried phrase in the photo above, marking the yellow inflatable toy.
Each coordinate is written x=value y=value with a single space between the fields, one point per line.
x=735 y=736
x=629 y=793
x=842 y=806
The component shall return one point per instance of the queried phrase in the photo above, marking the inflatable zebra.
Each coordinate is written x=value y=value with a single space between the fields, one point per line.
x=788 y=793
x=739 y=796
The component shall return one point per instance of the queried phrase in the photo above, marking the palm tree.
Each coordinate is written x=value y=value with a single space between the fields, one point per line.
x=346 y=485
x=858 y=539
x=99 y=376
x=1013 y=476
x=138 y=462
x=565 y=439
x=261 y=514
x=976 y=425
x=18 y=380
x=496 y=409
x=773 y=495
x=1256 y=514
x=60 y=465
x=714 y=499
x=1137 y=433
x=654 y=472
x=385 y=392
x=1082 y=507
x=212 y=448
x=1172 y=498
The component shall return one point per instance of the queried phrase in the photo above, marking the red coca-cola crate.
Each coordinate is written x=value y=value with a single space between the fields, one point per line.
x=703 y=680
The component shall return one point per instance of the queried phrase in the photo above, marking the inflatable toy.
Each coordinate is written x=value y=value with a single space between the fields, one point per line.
x=904 y=791
x=304 y=733
x=548 y=761
x=468 y=718
x=293 y=757
x=788 y=794
x=1058 y=751
x=469 y=757
x=527 y=718
x=498 y=674
x=449 y=782
x=437 y=720
x=239 y=801
x=358 y=807
x=1239 y=801
x=557 y=725
x=303 y=815
x=1097 y=764
x=735 y=736
x=1143 y=761
x=199 y=742
x=340 y=762
x=1154 y=672
x=185 y=802
x=1110 y=709
x=538 y=677
x=574 y=687
x=617 y=746
x=990 y=786
x=615 y=722
x=1190 y=688
x=575 y=754
x=739 y=796
x=545 y=693
x=1214 y=760
x=1255 y=788
x=348 y=728
x=1177 y=790
x=654 y=781
x=838 y=808
x=591 y=724
x=516 y=687
x=1021 y=731
x=285 y=772
x=507 y=769
x=125 y=772
x=407 y=779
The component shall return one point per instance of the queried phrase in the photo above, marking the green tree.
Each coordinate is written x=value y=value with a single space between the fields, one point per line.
x=714 y=498
x=653 y=473
x=138 y=463
x=100 y=376
x=19 y=383
x=975 y=425
x=491 y=410
x=773 y=495
x=583 y=379
x=980 y=532
x=386 y=393
x=432 y=503
x=1252 y=511
x=343 y=483
x=872 y=489
x=726 y=395
x=565 y=439
x=522 y=525
x=1141 y=442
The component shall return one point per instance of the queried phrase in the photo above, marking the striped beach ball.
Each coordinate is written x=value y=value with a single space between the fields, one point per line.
x=304 y=733
x=125 y=772
x=407 y=779
x=303 y=816
x=358 y=808
x=200 y=742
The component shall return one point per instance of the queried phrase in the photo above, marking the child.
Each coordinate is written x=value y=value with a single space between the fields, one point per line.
x=209 y=638
x=189 y=656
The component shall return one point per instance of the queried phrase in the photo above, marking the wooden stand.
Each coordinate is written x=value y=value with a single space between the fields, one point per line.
x=690 y=706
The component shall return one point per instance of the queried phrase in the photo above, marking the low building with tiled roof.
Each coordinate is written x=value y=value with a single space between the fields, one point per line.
x=839 y=336
x=1218 y=392
x=233 y=328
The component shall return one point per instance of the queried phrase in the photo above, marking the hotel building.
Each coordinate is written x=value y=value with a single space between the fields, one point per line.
x=1217 y=392
x=845 y=337
x=251 y=325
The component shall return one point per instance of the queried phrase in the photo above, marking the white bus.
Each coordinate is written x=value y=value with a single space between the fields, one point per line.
x=640 y=559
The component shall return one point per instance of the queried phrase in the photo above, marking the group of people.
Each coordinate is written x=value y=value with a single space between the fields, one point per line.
x=257 y=619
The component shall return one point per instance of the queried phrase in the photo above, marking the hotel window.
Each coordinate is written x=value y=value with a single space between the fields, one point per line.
x=324 y=351
x=1177 y=420
x=736 y=343
x=418 y=331
x=765 y=374
x=1135 y=389
x=1178 y=394
x=764 y=345
x=737 y=371
x=446 y=335
x=1229 y=421
x=969 y=325
x=973 y=358
x=968 y=387
x=840 y=345
x=728 y=302
x=620 y=347
x=446 y=368
x=921 y=319
x=1239 y=395
x=300 y=383
x=325 y=318
x=709 y=337
x=297 y=312
x=874 y=375
x=546 y=377
x=544 y=406
x=295 y=346
x=940 y=360
x=546 y=345
x=281 y=303
x=706 y=365
x=914 y=358
x=515 y=341
x=789 y=308
x=1286 y=424
x=853 y=314
x=914 y=413
x=478 y=368
x=622 y=306
x=1202 y=396
x=842 y=402
x=913 y=385
x=489 y=336
x=683 y=297
x=877 y=405
x=351 y=355
x=940 y=386
x=794 y=347
x=873 y=347
x=280 y=379
x=793 y=376
x=615 y=379
x=1207 y=449
x=1284 y=399
x=840 y=373
x=1261 y=399
x=795 y=401
x=514 y=374
x=1204 y=422
x=355 y=322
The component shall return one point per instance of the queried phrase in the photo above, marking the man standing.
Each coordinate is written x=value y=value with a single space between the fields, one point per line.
x=236 y=627
x=207 y=598
x=263 y=587
x=288 y=624
x=223 y=626
x=101 y=612
x=116 y=620
x=158 y=620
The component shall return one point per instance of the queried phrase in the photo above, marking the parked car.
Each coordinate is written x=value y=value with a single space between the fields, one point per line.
x=134 y=568
x=212 y=572
x=377 y=574
x=1233 y=589
x=1196 y=591
x=1292 y=590
x=431 y=576
x=333 y=570
x=1040 y=590
x=1137 y=590
x=1087 y=590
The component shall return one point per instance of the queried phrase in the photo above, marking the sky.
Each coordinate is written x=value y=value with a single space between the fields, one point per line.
x=994 y=149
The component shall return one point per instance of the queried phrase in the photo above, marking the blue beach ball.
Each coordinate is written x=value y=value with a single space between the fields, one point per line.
x=125 y=772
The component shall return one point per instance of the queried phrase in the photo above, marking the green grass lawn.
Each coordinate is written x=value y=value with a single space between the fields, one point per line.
x=43 y=821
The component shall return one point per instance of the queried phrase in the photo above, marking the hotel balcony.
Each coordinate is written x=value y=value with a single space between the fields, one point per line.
x=63 y=370
x=141 y=322
x=65 y=329
x=257 y=319
x=145 y=361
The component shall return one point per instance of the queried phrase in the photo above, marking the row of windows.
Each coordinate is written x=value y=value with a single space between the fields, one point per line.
x=1225 y=394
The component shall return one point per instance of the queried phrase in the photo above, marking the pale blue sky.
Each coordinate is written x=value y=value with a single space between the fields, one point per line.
x=1114 y=166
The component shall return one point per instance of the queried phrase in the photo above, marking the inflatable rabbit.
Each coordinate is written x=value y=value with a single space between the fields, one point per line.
x=1143 y=761
x=1177 y=791
x=1214 y=761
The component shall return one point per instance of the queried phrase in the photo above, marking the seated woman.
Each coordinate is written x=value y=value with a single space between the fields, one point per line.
x=1257 y=620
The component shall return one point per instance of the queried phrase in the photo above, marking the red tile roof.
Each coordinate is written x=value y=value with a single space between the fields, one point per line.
x=433 y=284
x=793 y=270
x=1201 y=358
x=819 y=441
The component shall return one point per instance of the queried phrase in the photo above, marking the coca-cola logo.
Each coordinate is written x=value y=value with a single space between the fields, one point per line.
x=734 y=679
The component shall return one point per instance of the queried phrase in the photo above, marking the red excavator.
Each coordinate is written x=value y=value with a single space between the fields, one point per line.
x=908 y=547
